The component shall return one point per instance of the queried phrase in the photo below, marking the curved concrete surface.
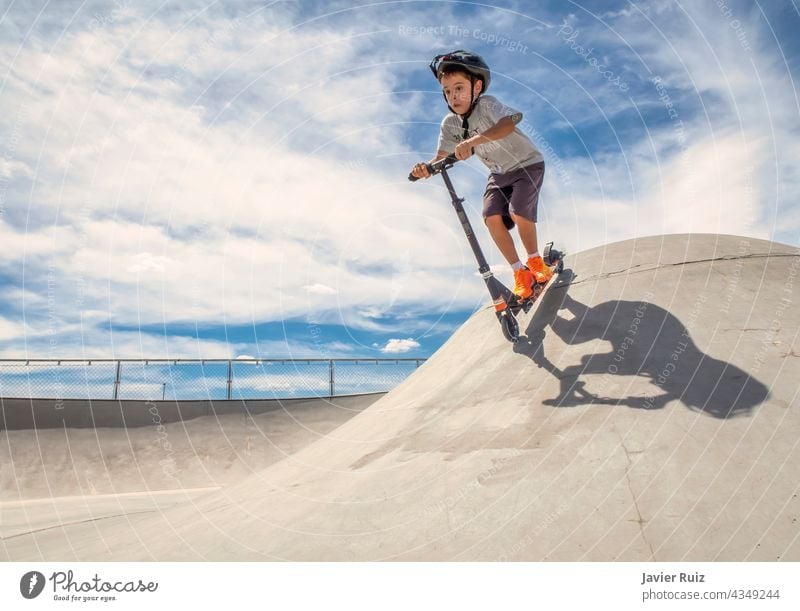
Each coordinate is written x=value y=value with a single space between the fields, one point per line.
x=650 y=413
x=55 y=476
x=25 y=414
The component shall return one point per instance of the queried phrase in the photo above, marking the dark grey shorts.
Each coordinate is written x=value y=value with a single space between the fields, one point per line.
x=514 y=192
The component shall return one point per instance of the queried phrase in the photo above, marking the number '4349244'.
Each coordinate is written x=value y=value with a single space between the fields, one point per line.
x=755 y=594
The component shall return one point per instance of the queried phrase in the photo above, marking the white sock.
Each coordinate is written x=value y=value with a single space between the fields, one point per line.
x=517 y=266
x=534 y=255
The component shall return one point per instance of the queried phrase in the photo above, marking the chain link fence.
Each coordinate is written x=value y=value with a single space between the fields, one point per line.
x=182 y=379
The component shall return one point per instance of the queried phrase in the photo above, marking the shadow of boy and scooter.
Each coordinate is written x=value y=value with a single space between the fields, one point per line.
x=646 y=341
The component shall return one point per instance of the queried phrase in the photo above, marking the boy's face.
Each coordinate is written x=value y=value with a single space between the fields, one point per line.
x=456 y=89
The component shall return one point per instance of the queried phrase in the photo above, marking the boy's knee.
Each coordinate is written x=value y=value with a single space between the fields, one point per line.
x=495 y=220
x=499 y=221
x=522 y=220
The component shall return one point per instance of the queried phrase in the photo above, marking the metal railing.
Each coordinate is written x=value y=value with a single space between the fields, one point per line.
x=186 y=379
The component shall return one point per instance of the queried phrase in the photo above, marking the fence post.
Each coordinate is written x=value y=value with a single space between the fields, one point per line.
x=331 y=376
x=117 y=380
x=230 y=379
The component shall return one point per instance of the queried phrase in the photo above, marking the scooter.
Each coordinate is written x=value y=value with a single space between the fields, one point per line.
x=506 y=304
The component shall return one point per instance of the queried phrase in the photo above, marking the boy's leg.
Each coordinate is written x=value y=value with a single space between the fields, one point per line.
x=524 y=208
x=498 y=221
x=527 y=233
x=523 y=278
x=502 y=238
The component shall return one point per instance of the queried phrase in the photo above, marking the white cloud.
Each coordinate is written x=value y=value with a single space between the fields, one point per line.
x=398 y=346
x=10 y=329
x=710 y=187
x=9 y=168
x=150 y=201
x=716 y=164
x=65 y=342
x=320 y=289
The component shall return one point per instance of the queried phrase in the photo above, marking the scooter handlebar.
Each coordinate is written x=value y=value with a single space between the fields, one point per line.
x=437 y=167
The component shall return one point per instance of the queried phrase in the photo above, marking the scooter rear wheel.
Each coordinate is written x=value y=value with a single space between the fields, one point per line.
x=509 y=325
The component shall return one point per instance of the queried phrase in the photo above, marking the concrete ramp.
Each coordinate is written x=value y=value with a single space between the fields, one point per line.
x=650 y=413
x=61 y=476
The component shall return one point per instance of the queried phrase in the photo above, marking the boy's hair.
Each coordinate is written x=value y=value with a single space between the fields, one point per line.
x=455 y=69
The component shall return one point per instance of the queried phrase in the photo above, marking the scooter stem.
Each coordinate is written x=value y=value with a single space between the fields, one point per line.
x=483 y=265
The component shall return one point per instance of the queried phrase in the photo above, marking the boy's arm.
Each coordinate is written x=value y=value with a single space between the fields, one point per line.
x=440 y=154
x=499 y=130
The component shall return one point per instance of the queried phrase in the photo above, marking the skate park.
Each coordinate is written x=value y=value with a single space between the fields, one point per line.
x=649 y=412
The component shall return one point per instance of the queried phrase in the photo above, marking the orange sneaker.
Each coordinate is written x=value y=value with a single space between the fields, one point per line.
x=541 y=273
x=523 y=282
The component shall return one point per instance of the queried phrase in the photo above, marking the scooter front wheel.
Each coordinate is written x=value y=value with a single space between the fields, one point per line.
x=509 y=325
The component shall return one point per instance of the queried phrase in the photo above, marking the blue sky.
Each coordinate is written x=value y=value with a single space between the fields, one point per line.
x=222 y=179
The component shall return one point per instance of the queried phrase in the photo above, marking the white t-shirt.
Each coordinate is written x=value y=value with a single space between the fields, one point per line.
x=510 y=153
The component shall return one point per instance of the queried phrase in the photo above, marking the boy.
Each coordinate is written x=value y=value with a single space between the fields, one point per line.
x=480 y=124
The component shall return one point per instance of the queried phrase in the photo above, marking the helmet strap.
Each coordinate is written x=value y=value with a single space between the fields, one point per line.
x=472 y=101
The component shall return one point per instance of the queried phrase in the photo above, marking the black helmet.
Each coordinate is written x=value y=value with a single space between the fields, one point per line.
x=469 y=62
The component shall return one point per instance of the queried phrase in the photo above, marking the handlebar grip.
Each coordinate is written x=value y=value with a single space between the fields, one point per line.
x=413 y=178
x=436 y=168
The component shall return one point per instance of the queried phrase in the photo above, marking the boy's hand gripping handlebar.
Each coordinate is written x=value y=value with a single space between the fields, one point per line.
x=436 y=168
